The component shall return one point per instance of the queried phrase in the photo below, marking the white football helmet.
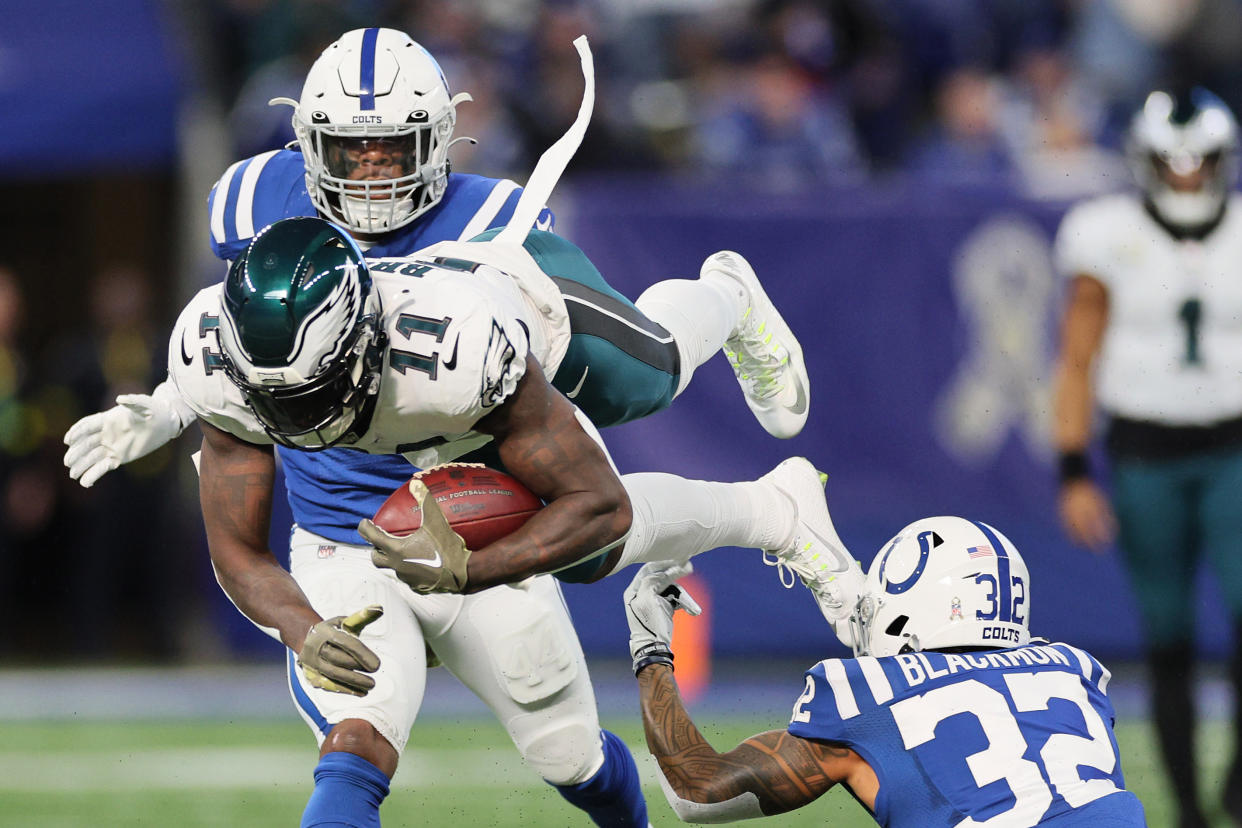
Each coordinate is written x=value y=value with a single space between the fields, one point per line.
x=300 y=333
x=1182 y=150
x=375 y=123
x=943 y=582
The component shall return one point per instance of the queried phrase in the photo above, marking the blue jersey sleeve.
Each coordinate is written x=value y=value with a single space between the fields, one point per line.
x=545 y=221
x=253 y=193
x=828 y=700
x=472 y=204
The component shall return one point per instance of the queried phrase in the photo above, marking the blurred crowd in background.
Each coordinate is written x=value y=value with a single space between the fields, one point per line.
x=767 y=94
x=774 y=91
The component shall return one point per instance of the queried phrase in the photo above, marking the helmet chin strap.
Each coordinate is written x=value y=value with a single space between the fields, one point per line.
x=854 y=630
x=362 y=212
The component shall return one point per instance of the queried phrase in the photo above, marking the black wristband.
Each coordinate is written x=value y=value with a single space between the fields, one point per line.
x=1073 y=466
x=652 y=654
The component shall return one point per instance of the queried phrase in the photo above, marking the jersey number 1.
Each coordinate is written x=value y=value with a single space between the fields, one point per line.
x=1191 y=314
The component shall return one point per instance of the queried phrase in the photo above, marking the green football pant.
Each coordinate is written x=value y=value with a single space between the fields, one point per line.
x=620 y=365
x=1172 y=514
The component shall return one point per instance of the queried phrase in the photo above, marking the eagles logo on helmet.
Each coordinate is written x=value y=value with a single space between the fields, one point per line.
x=299 y=333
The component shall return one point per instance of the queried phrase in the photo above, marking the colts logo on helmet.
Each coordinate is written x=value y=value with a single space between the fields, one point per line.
x=927 y=542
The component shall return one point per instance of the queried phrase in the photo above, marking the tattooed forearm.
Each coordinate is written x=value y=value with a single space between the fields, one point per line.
x=783 y=771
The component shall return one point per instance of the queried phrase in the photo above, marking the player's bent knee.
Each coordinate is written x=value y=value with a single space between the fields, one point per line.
x=360 y=738
x=567 y=754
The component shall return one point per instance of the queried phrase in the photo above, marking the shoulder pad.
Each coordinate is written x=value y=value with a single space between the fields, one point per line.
x=253 y=193
x=496 y=197
x=1087 y=238
x=197 y=370
x=456 y=350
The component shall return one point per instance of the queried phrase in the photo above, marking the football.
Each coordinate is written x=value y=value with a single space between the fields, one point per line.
x=481 y=504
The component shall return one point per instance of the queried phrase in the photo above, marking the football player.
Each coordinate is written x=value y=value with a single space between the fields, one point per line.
x=374 y=122
x=1153 y=331
x=308 y=345
x=949 y=715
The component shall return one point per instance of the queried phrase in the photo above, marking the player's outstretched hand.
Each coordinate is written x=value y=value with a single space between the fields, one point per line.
x=1087 y=516
x=135 y=427
x=430 y=559
x=650 y=601
x=334 y=658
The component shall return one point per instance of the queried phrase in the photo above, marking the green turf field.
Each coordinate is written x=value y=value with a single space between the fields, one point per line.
x=249 y=773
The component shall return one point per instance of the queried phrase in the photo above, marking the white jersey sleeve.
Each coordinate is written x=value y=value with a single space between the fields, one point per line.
x=196 y=369
x=457 y=347
x=1092 y=237
x=545 y=306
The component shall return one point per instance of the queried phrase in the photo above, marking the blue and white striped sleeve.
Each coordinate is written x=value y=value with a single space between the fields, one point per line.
x=253 y=193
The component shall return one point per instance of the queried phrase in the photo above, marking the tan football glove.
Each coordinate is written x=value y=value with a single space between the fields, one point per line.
x=430 y=559
x=334 y=658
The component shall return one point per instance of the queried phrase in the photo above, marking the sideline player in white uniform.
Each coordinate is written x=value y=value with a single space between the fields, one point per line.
x=1153 y=329
x=950 y=715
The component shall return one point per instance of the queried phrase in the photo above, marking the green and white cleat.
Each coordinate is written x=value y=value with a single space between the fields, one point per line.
x=816 y=554
x=764 y=353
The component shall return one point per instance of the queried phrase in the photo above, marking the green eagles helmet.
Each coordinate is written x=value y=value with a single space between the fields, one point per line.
x=300 y=333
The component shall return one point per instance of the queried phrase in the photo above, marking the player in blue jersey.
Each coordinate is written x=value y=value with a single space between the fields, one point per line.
x=374 y=124
x=950 y=715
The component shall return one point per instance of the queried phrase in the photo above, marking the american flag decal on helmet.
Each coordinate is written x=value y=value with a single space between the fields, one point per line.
x=980 y=552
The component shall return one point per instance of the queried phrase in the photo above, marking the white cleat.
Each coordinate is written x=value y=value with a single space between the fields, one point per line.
x=764 y=353
x=816 y=554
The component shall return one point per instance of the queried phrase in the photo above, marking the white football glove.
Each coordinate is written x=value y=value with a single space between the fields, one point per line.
x=135 y=427
x=650 y=601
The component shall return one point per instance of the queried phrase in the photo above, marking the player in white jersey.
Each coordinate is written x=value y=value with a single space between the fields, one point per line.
x=1153 y=334
x=302 y=347
x=479 y=637
x=308 y=345
x=374 y=125
x=950 y=714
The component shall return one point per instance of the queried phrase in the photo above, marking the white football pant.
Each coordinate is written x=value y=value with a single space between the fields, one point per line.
x=513 y=646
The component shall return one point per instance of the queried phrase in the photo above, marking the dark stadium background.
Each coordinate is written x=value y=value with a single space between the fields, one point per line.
x=893 y=168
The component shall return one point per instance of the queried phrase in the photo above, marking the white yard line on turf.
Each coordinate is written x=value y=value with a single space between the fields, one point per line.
x=249 y=767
